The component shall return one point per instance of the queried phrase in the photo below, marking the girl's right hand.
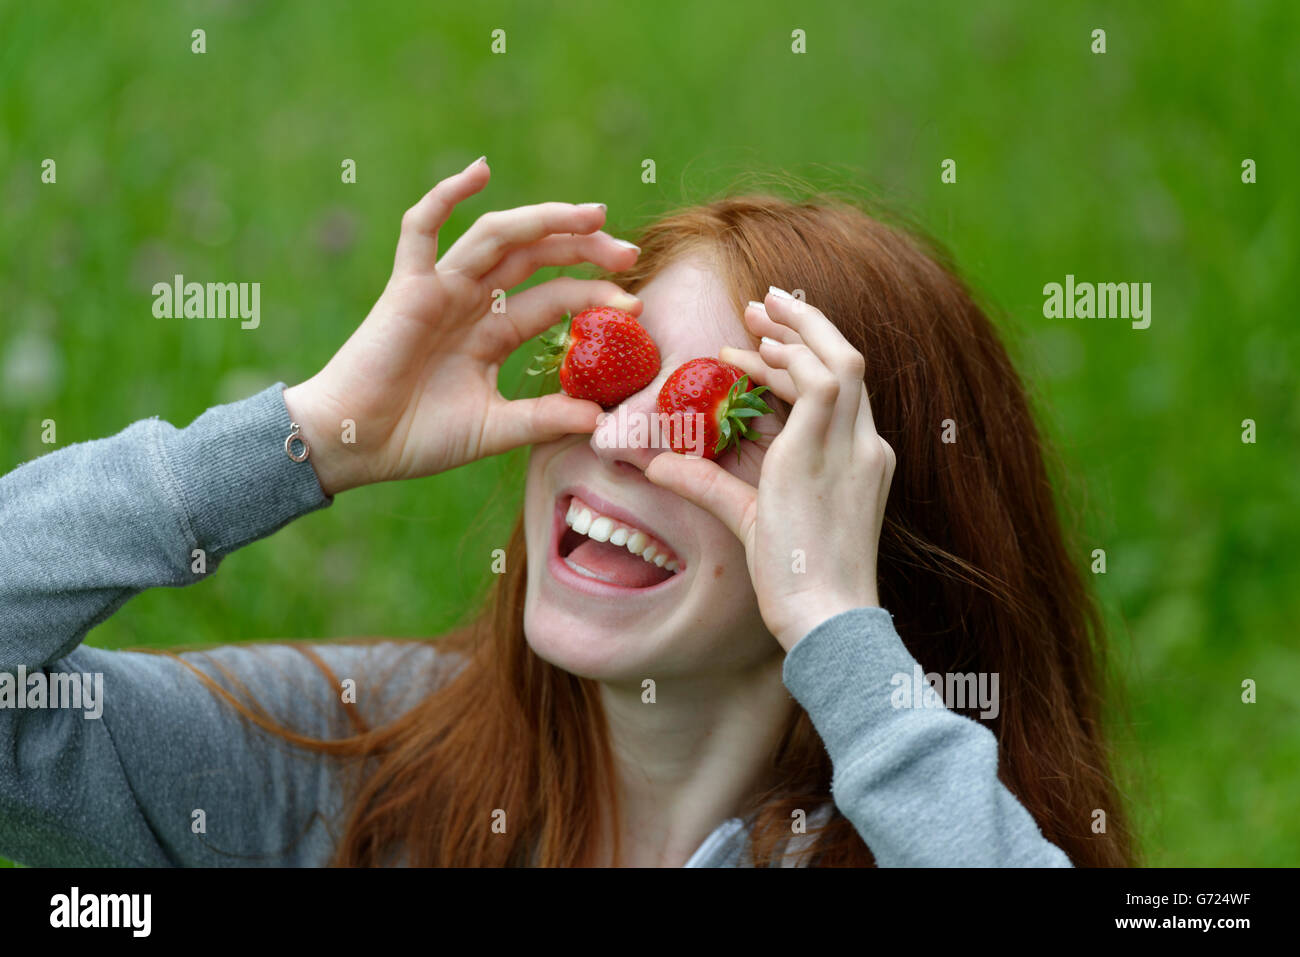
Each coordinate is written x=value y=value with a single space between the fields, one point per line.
x=418 y=378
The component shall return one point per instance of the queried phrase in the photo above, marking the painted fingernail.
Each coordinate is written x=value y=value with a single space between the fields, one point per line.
x=601 y=205
x=626 y=245
x=779 y=293
x=771 y=341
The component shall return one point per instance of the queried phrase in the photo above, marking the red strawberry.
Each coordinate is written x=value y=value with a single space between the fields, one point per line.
x=722 y=394
x=603 y=354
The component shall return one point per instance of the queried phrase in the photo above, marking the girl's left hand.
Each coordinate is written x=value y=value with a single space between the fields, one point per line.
x=811 y=529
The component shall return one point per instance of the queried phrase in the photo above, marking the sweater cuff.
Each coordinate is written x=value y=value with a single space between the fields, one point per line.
x=841 y=673
x=229 y=471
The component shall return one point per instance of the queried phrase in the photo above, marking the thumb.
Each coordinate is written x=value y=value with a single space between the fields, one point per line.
x=704 y=483
x=519 y=422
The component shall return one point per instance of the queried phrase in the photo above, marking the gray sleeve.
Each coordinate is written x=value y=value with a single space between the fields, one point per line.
x=157 y=770
x=140 y=763
x=920 y=785
x=85 y=528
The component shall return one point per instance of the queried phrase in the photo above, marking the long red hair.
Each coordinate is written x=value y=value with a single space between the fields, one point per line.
x=974 y=566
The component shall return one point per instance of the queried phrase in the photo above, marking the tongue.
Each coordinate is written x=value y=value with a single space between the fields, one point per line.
x=616 y=565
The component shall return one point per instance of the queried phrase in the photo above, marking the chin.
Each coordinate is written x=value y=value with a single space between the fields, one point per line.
x=592 y=637
x=574 y=644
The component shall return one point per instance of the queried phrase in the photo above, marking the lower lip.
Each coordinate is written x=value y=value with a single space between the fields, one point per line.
x=561 y=571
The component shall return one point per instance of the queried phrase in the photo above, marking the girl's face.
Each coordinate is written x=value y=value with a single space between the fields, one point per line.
x=596 y=609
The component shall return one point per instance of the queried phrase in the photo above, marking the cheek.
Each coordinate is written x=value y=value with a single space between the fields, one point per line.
x=537 y=505
x=725 y=628
x=540 y=457
x=723 y=576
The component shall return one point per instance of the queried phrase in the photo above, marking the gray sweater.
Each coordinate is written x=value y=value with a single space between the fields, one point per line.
x=126 y=776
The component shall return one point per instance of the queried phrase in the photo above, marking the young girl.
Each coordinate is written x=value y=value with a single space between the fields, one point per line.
x=749 y=702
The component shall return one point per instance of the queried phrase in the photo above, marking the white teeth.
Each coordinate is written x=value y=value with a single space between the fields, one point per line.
x=601 y=528
x=582 y=524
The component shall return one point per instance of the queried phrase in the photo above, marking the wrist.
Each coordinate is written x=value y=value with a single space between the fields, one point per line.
x=818 y=612
x=332 y=463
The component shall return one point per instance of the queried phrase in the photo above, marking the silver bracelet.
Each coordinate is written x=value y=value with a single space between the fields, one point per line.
x=296 y=434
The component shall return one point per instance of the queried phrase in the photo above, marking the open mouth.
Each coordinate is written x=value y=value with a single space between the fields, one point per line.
x=610 y=548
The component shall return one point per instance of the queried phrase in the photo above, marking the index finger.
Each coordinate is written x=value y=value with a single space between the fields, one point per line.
x=831 y=348
x=496 y=233
x=417 y=247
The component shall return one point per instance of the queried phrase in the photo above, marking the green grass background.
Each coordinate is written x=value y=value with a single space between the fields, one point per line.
x=1117 y=167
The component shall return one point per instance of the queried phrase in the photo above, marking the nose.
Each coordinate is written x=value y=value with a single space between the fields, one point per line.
x=628 y=433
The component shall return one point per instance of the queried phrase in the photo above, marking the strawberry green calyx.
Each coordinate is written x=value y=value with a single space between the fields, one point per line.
x=740 y=405
x=554 y=347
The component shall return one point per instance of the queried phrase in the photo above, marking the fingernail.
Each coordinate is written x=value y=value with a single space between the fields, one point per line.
x=626 y=245
x=623 y=300
x=779 y=293
x=601 y=205
x=771 y=341
x=753 y=303
x=481 y=160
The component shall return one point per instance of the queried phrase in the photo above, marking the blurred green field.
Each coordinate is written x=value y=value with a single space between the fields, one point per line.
x=1124 y=166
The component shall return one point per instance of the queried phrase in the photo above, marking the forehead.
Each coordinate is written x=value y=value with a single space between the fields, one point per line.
x=689 y=313
x=689 y=310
